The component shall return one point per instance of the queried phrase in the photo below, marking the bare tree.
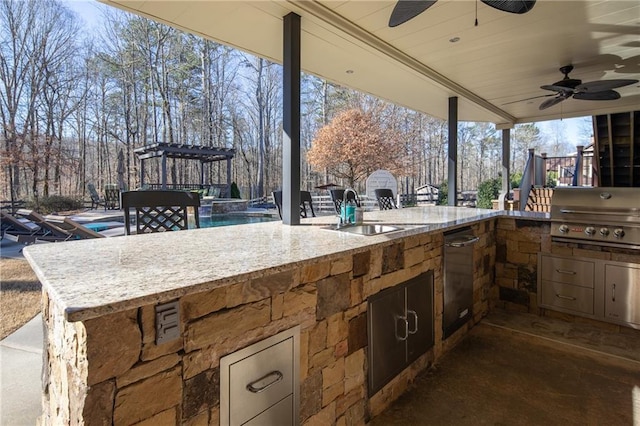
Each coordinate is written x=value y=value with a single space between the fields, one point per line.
x=38 y=38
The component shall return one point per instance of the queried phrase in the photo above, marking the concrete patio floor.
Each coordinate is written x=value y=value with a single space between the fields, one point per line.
x=519 y=369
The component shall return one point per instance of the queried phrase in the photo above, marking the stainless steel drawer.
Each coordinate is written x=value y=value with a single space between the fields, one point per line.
x=260 y=384
x=567 y=296
x=568 y=271
x=260 y=381
x=279 y=414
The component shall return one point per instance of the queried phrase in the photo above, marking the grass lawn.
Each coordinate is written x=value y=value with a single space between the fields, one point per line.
x=20 y=295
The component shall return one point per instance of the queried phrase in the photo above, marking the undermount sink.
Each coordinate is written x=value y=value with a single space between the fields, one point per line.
x=365 y=229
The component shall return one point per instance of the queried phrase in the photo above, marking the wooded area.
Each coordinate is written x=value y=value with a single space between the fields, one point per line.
x=72 y=102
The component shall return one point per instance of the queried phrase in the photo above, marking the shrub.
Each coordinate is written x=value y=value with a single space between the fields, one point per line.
x=54 y=204
x=443 y=194
x=487 y=191
x=235 y=191
x=516 y=178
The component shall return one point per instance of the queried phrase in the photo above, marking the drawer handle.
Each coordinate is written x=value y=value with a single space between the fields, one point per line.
x=415 y=321
x=405 y=327
x=613 y=293
x=467 y=242
x=265 y=382
x=565 y=271
x=559 y=296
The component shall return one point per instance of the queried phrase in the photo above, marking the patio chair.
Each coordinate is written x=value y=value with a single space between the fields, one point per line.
x=385 y=198
x=112 y=197
x=159 y=211
x=337 y=195
x=96 y=201
x=305 y=200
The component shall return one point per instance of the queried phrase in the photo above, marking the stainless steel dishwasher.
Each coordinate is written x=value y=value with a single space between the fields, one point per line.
x=458 y=279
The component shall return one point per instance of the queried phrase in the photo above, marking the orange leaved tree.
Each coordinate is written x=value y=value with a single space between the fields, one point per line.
x=353 y=145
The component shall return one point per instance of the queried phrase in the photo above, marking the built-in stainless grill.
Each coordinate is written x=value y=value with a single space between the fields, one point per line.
x=596 y=216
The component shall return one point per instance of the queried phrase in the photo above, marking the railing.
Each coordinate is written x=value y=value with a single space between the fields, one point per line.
x=220 y=187
x=323 y=203
x=568 y=171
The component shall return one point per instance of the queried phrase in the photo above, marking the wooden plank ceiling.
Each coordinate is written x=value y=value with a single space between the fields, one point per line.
x=505 y=58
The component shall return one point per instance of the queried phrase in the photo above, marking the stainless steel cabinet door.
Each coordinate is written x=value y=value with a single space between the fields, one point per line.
x=622 y=294
x=388 y=332
x=419 y=294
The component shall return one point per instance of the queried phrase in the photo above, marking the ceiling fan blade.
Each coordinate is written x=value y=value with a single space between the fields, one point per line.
x=511 y=6
x=606 y=95
x=551 y=102
x=528 y=99
x=603 y=85
x=405 y=10
x=556 y=88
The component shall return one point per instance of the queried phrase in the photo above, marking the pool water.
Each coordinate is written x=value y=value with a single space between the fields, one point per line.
x=232 y=219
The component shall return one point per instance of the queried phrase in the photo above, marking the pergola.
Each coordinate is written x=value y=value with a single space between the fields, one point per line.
x=203 y=154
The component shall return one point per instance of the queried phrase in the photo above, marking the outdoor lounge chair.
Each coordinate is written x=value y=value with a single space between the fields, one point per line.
x=50 y=231
x=75 y=230
x=385 y=199
x=305 y=200
x=17 y=229
x=56 y=228
x=159 y=211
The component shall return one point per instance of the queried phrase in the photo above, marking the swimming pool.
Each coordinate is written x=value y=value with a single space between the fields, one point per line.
x=232 y=219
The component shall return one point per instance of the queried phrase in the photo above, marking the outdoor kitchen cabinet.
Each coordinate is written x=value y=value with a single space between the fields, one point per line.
x=604 y=290
x=622 y=294
x=400 y=328
x=567 y=284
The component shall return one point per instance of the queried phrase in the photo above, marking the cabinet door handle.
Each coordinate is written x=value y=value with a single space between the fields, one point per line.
x=265 y=382
x=415 y=321
x=565 y=271
x=406 y=328
x=560 y=296
x=613 y=293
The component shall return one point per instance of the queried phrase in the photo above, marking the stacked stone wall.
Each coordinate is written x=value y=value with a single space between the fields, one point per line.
x=518 y=242
x=109 y=370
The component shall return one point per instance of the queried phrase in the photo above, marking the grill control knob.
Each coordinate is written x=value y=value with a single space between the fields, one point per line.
x=590 y=230
x=563 y=228
x=604 y=231
x=618 y=233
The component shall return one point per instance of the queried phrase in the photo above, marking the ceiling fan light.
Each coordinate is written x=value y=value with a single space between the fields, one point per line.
x=512 y=6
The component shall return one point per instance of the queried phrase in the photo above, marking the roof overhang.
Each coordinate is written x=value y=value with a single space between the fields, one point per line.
x=504 y=59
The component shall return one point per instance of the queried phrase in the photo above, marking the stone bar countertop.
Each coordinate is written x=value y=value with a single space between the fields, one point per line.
x=91 y=278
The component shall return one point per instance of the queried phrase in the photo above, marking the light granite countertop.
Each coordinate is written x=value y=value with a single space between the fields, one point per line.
x=91 y=278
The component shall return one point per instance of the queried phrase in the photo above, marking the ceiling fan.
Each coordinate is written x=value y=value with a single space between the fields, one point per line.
x=600 y=90
x=405 y=10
